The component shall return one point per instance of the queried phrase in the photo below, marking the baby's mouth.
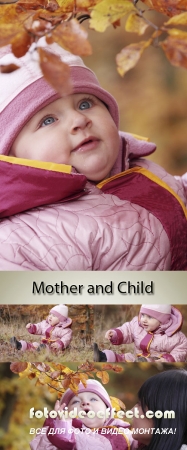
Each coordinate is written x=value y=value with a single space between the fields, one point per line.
x=86 y=410
x=86 y=144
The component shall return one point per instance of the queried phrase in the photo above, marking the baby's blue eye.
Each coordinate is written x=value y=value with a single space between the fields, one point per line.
x=85 y=104
x=47 y=121
x=75 y=401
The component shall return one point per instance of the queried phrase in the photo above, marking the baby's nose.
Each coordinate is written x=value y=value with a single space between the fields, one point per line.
x=79 y=121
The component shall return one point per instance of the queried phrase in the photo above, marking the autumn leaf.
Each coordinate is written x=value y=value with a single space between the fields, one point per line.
x=108 y=12
x=86 y=4
x=170 y=8
x=117 y=404
x=136 y=24
x=175 y=48
x=104 y=376
x=56 y=72
x=65 y=383
x=67 y=5
x=72 y=36
x=11 y=23
x=21 y=43
x=9 y=68
x=83 y=378
x=180 y=19
x=117 y=369
x=41 y=367
x=18 y=367
x=55 y=374
x=130 y=55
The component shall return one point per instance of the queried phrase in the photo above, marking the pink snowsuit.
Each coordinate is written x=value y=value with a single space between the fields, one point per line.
x=135 y=220
x=60 y=333
x=115 y=434
x=166 y=342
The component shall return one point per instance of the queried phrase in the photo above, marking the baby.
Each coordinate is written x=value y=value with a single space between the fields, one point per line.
x=156 y=335
x=76 y=194
x=55 y=331
x=80 y=433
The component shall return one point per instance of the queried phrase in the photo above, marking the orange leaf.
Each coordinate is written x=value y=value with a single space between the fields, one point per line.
x=104 y=376
x=175 y=50
x=65 y=383
x=18 y=367
x=72 y=36
x=130 y=55
x=9 y=68
x=56 y=72
x=170 y=8
x=11 y=23
x=21 y=43
x=28 y=5
x=117 y=369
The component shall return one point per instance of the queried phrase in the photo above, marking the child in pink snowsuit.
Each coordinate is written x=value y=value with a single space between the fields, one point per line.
x=55 y=331
x=77 y=193
x=97 y=433
x=155 y=333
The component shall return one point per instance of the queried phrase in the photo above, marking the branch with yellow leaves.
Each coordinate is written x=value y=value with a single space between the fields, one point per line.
x=24 y=22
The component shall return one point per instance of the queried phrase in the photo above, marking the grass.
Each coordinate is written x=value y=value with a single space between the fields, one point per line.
x=78 y=350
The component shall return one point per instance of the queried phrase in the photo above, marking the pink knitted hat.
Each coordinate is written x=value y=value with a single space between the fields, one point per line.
x=60 y=311
x=160 y=312
x=92 y=386
x=25 y=91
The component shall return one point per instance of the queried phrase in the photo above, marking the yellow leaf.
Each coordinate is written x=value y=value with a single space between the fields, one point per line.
x=86 y=4
x=176 y=50
x=83 y=378
x=109 y=11
x=130 y=55
x=104 y=376
x=68 y=5
x=44 y=379
x=117 y=404
x=179 y=19
x=177 y=33
x=136 y=24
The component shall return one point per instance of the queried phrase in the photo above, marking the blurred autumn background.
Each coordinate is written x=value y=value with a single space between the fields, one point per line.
x=152 y=97
x=13 y=319
x=18 y=395
x=111 y=316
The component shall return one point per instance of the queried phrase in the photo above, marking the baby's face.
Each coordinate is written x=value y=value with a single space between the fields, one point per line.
x=88 y=401
x=53 y=320
x=76 y=130
x=149 y=323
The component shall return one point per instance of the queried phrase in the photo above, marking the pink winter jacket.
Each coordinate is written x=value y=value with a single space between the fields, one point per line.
x=166 y=342
x=114 y=435
x=59 y=221
x=60 y=333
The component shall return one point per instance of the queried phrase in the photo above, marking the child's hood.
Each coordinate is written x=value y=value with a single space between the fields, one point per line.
x=27 y=184
x=170 y=327
x=174 y=324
